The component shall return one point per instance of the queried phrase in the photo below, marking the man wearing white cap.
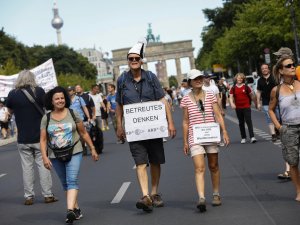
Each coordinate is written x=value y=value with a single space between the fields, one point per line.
x=137 y=86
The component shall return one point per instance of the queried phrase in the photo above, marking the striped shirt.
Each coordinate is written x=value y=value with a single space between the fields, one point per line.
x=194 y=114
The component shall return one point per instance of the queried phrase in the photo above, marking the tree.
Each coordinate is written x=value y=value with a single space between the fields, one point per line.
x=173 y=81
x=10 y=49
x=65 y=60
x=256 y=25
x=66 y=80
x=9 y=68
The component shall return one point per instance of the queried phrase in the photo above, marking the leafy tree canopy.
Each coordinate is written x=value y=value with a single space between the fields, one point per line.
x=16 y=56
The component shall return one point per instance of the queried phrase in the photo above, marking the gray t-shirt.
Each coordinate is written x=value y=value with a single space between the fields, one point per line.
x=62 y=133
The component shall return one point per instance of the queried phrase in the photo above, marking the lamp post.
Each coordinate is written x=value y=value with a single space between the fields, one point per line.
x=289 y=3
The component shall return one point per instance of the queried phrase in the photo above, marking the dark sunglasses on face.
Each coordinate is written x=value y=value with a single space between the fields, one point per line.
x=290 y=65
x=131 y=59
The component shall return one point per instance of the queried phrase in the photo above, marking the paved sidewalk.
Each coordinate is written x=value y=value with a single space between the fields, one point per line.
x=8 y=140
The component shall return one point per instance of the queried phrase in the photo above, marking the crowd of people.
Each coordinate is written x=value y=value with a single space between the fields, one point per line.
x=60 y=137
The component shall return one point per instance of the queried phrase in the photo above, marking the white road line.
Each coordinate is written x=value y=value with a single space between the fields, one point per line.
x=2 y=175
x=266 y=135
x=261 y=133
x=120 y=193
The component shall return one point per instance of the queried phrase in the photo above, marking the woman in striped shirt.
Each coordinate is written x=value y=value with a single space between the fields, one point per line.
x=201 y=107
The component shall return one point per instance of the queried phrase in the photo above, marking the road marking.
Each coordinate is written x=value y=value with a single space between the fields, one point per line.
x=257 y=131
x=2 y=175
x=120 y=193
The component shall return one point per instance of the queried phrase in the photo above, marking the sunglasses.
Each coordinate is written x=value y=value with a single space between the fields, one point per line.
x=200 y=105
x=131 y=59
x=289 y=65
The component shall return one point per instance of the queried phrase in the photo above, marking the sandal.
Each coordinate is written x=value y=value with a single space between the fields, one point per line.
x=285 y=175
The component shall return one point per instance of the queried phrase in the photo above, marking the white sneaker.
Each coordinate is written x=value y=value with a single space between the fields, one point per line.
x=222 y=144
x=165 y=140
x=243 y=141
x=253 y=140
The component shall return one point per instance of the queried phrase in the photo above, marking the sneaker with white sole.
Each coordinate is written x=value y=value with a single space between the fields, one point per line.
x=253 y=140
x=216 y=199
x=201 y=205
x=78 y=213
x=243 y=141
x=71 y=216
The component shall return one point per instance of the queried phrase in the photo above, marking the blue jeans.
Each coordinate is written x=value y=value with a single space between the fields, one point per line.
x=68 y=171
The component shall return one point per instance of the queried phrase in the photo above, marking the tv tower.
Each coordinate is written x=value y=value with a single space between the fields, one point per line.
x=57 y=23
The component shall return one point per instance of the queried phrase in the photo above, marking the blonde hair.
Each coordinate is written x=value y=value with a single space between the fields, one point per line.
x=240 y=75
x=278 y=66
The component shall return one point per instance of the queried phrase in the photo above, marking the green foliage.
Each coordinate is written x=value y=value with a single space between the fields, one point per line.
x=14 y=56
x=65 y=60
x=10 y=49
x=66 y=80
x=173 y=81
x=9 y=68
x=256 y=25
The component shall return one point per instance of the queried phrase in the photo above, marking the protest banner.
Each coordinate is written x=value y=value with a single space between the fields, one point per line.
x=145 y=121
x=45 y=77
x=206 y=133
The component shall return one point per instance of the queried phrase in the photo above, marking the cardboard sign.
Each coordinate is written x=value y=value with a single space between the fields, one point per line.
x=45 y=77
x=207 y=133
x=145 y=121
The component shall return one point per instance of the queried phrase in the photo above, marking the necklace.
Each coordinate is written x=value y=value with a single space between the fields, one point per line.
x=291 y=87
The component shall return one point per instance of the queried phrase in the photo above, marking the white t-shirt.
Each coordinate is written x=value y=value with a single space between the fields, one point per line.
x=97 y=101
x=3 y=114
x=212 y=88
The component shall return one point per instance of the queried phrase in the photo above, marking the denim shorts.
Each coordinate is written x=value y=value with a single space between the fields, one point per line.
x=147 y=151
x=68 y=171
x=267 y=116
x=290 y=136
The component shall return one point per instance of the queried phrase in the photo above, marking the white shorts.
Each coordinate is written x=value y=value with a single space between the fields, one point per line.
x=203 y=149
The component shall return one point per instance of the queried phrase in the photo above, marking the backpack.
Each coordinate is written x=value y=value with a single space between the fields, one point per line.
x=246 y=91
x=87 y=105
x=124 y=77
x=62 y=154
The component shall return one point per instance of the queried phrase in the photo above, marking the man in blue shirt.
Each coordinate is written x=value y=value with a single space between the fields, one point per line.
x=134 y=87
x=111 y=98
x=78 y=104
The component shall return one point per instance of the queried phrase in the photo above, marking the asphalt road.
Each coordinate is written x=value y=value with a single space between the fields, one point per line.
x=251 y=193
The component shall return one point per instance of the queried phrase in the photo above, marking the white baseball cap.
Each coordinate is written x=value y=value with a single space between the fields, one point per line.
x=194 y=73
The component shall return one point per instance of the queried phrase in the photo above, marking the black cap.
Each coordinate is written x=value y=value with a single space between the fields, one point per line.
x=71 y=88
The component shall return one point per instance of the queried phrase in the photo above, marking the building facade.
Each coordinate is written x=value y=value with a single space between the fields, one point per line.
x=103 y=64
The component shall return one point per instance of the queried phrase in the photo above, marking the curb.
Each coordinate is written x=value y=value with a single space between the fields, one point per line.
x=8 y=141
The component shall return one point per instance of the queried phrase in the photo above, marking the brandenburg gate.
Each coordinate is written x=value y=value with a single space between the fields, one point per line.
x=159 y=52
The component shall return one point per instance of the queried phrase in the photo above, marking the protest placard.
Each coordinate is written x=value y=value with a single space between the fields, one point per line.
x=145 y=121
x=206 y=133
x=45 y=77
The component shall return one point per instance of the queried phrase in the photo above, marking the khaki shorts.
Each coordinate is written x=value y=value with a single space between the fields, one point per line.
x=203 y=149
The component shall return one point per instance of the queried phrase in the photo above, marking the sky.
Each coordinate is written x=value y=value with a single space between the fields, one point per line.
x=106 y=25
